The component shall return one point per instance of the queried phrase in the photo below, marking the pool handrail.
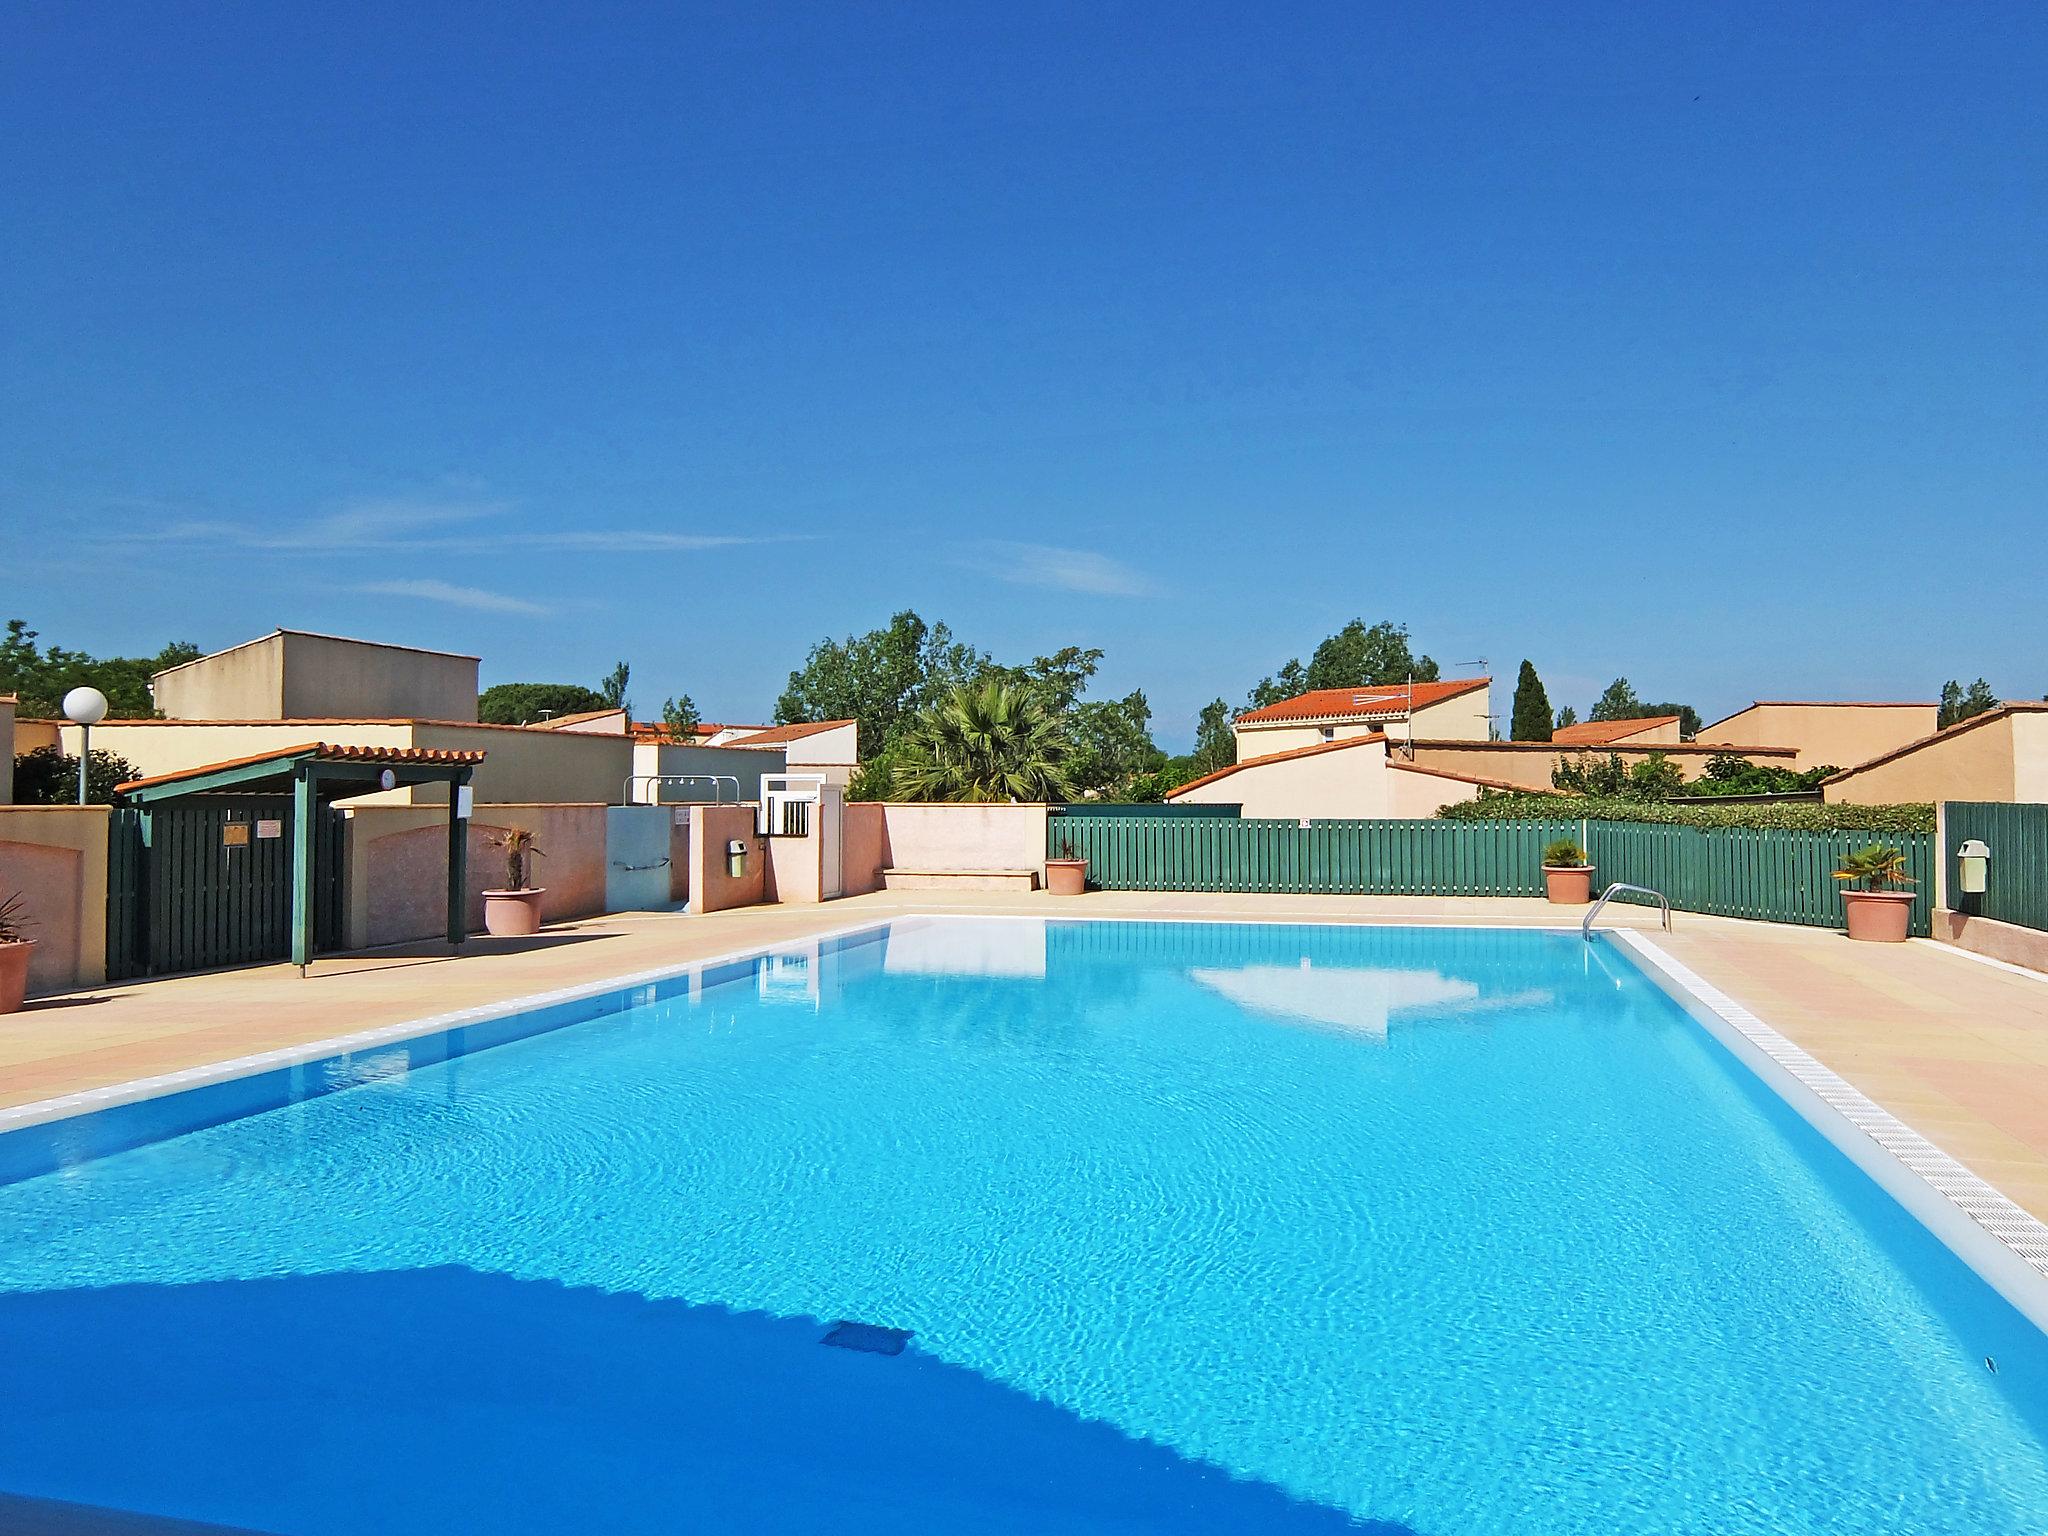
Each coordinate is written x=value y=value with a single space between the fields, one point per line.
x=1586 y=927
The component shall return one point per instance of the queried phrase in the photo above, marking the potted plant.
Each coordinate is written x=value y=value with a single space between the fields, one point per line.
x=515 y=910
x=1066 y=875
x=1878 y=910
x=1567 y=876
x=15 y=948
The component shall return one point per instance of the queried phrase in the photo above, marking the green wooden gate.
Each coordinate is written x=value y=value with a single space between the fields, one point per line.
x=197 y=883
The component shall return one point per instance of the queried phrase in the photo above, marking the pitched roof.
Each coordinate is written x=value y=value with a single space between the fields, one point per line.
x=775 y=735
x=2003 y=712
x=556 y=722
x=319 y=752
x=1820 y=704
x=1376 y=701
x=312 y=634
x=1598 y=733
x=1375 y=737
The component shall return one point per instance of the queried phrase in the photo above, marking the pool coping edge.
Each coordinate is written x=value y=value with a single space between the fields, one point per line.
x=2005 y=1244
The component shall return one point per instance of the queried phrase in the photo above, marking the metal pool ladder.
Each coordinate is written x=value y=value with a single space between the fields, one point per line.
x=1586 y=928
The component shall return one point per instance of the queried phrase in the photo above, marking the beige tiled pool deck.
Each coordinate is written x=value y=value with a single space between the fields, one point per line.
x=1956 y=1048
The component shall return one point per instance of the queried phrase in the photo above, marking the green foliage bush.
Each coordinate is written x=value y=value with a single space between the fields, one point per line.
x=1800 y=817
x=47 y=776
x=1564 y=853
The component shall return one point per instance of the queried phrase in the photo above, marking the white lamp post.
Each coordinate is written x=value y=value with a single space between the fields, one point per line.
x=84 y=708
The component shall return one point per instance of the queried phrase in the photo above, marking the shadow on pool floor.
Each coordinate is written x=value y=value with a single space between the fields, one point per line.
x=449 y=1399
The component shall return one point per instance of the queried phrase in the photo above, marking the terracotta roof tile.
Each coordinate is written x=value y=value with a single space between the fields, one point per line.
x=1372 y=702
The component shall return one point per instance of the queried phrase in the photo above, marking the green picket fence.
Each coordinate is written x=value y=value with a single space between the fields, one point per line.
x=1354 y=858
x=1776 y=876
x=2016 y=883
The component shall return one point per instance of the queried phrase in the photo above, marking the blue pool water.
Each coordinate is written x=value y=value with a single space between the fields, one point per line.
x=1195 y=1227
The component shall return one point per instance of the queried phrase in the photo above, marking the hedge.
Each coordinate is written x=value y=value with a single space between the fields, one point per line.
x=1794 y=817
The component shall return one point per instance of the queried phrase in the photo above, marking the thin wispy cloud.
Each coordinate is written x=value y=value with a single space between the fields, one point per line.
x=1062 y=569
x=430 y=591
x=424 y=525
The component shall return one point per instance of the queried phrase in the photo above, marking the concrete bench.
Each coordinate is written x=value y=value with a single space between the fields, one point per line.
x=960 y=879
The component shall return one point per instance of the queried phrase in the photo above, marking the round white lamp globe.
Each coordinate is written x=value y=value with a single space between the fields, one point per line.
x=85 y=706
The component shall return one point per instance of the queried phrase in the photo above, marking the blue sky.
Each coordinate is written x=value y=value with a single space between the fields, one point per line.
x=1704 y=344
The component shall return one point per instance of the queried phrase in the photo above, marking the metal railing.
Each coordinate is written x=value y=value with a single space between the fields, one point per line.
x=656 y=780
x=1586 y=928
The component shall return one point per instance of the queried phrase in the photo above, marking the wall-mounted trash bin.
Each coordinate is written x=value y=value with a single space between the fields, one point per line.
x=736 y=858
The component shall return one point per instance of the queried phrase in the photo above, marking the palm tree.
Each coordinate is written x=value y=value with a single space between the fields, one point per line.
x=987 y=741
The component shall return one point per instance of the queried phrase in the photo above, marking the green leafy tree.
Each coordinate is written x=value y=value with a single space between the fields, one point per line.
x=984 y=742
x=1651 y=779
x=880 y=679
x=41 y=677
x=679 y=719
x=1215 y=742
x=524 y=703
x=1619 y=702
x=613 y=689
x=1291 y=680
x=1688 y=717
x=1566 y=716
x=1059 y=680
x=1958 y=705
x=1729 y=773
x=1112 y=746
x=48 y=776
x=1357 y=656
x=1531 y=718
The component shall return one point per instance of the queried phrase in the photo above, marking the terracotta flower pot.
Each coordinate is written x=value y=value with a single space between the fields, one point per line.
x=1569 y=885
x=512 y=914
x=1066 y=877
x=1878 y=917
x=14 y=973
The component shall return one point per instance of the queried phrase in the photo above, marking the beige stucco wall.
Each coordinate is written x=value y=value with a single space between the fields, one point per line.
x=169 y=746
x=1838 y=735
x=712 y=889
x=6 y=751
x=1412 y=794
x=398 y=866
x=290 y=675
x=986 y=838
x=532 y=767
x=1322 y=785
x=834 y=753
x=31 y=734
x=55 y=858
x=245 y=682
x=861 y=848
x=1974 y=764
x=1465 y=718
x=796 y=869
x=2029 y=757
x=1265 y=740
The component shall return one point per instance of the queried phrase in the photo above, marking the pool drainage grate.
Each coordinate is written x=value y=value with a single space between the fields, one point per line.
x=868 y=1338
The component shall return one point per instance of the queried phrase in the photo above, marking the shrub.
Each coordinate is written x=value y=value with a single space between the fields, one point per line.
x=1880 y=866
x=1800 y=817
x=1564 y=853
x=48 y=776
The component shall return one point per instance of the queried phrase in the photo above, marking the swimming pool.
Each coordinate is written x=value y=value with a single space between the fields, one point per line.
x=1193 y=1227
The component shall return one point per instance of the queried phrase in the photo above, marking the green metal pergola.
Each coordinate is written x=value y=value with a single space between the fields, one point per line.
x=312 y=773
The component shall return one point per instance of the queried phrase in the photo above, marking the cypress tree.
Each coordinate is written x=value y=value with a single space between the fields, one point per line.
x=1531 y=721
